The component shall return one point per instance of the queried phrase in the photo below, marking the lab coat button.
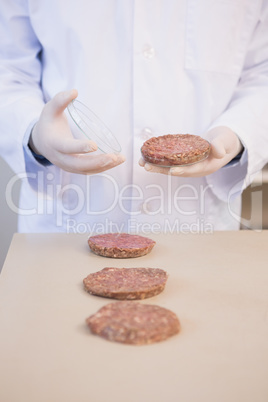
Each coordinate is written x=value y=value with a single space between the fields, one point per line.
x=146 y=208
x=148 y=52
x=146 y=133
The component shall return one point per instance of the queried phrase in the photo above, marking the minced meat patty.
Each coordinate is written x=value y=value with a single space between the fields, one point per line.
x=175 y=149
x=120 y=245
x=134 y=323
x=126 y=283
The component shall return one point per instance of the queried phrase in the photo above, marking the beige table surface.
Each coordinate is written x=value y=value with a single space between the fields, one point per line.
x=218 y=287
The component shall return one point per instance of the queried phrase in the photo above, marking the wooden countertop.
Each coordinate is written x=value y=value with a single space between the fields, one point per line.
x=218 y=287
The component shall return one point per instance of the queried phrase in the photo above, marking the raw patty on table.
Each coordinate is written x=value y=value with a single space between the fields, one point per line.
x=126 y=283
x=120 y=245
x=133 y=323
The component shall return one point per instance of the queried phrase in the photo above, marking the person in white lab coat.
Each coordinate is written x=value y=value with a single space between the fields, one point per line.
x=146 y=68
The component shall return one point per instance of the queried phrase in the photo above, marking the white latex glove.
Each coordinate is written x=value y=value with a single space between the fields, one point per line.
x=225 y=145
x=52 y=138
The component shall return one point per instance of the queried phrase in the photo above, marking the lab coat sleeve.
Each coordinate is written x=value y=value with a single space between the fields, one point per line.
x=247 y=116
x=21 y=97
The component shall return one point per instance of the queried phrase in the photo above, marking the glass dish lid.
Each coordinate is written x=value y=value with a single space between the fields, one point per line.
x=93 y=128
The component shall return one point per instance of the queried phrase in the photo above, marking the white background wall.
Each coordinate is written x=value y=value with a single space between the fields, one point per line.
x=8 y=219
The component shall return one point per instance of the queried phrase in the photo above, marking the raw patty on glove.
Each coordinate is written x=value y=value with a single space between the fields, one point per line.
x=175 y=149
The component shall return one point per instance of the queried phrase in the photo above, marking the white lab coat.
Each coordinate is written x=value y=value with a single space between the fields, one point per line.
x=146 y=68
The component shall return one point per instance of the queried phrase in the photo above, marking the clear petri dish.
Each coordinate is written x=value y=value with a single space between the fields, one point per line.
x=93 y=128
